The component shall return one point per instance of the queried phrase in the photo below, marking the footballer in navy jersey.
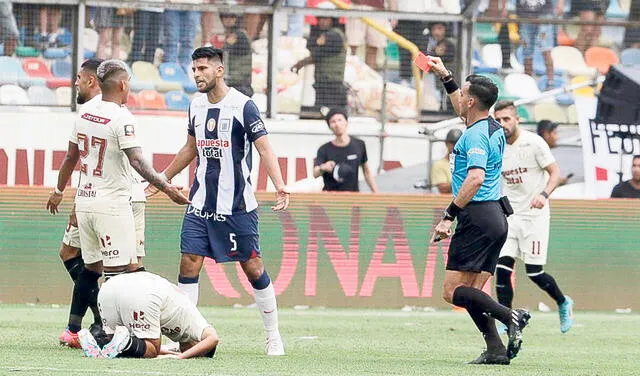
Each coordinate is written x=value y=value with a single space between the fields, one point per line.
x=222 y=221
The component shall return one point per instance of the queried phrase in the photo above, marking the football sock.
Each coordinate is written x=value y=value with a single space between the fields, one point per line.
x=135 y=348
x=74 y=267
x=504 y=289
x=190 y=286
x=93 y=305
x=487 y=327
x=266 y=302
x=545 y=282
x=87 y=281
x=474 y=299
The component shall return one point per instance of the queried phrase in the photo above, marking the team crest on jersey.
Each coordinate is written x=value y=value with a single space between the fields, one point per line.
x=211 y=125
x=129 y=130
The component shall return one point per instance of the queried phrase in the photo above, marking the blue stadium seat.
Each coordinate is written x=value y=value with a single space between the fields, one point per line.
x=630 y=56
x=61 y=68
x=177 y=101
x=56 y=53
x=1 y=49
x=65 y=39
x=565 y=99
x=173 y=72
x=11 y=73
x=539 y=68
x=89 y=54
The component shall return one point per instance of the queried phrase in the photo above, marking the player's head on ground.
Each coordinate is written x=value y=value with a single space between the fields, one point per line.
x=506 y=114
x=113 y=76
x=549 y=131
x=86 y=83
x=452 y=137
x=336 y=119
x=635 y=168
x=229 y=20
x=207 y=67
x=477 y=96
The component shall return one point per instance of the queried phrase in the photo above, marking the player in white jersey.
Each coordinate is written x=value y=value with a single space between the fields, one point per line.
x=222 y=221
x=529 y=175
x=139 y=307
x=104 y=140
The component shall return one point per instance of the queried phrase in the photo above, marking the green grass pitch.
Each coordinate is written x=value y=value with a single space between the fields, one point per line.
x=338 y=342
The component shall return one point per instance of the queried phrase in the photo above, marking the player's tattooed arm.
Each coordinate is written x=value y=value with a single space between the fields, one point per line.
x=70 y=161
x=140 y=164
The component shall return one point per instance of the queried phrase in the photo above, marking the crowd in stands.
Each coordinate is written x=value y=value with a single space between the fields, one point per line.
x=322 y=61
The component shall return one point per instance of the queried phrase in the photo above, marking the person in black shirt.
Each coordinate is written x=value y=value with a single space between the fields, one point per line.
x=338 y=161
x=629 y=188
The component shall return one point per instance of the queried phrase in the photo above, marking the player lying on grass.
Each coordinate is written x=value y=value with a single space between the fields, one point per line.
x=137 y=308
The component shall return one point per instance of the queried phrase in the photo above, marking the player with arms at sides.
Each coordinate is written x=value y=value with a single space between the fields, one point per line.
x=481 y=213
x=222 y=220
x=529 y=175
x=138 y=308
x=103 y=138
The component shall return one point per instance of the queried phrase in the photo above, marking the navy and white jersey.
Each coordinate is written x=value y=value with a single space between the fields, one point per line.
x=224 y=133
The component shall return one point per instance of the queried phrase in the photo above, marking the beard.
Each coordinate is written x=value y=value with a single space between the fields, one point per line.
x=209 y=87
x=81 y=99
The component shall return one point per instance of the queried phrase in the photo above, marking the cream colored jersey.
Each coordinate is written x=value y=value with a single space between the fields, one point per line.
x=523 y=172
x=102 y=132
x=149 y=305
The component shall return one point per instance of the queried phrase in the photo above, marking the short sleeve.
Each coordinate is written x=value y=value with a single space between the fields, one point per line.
x=543 y=153
x=73 y=137
x=253 y=124
x=321 y=156
x=126 y=132
x=477 y=149
x=190 y=128
x=364 y=153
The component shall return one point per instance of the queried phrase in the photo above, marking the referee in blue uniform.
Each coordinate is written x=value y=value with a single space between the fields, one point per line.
x=481 y=214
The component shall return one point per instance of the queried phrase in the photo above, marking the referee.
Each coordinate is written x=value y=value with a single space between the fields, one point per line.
x=481 y=213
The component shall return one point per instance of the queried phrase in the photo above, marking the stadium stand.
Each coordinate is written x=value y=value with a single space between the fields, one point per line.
x=550 y=111
x=177 y=101
x=630 y=56
x=148 y=73
x=41 y=96
x=601 y=58
x=37 y=67
x=63 y=96
x=570 y=59
x=151 y=100
x=173 y=72
x=13 y=95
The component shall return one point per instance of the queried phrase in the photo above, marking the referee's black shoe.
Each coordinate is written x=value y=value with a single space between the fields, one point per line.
x=519 y=319
x=490 y=358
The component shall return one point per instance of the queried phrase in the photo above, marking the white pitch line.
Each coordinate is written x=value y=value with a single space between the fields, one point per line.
x=105 y=371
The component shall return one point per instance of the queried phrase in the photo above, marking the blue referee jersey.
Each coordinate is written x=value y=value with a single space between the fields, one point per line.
x=480 y=146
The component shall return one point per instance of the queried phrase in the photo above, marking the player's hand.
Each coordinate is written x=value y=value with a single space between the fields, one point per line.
x=538 y=202
x=54 y=201
x=441 y=231
x=328 y=166
x=151 y=190
x=437 y=66
x=282 y=199
x=175 y=194
x=73 y=220
x=296 y=67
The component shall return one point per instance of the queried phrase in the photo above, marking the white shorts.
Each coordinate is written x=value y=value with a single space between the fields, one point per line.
x=528 y=239
x=358 y=32
x=71 y=235
x=107 y=238
x=140 y=313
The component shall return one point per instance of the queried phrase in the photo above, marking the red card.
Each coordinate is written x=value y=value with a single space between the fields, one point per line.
x=422 y=61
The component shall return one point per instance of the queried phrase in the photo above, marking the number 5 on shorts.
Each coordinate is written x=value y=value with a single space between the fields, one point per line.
x=232 y=239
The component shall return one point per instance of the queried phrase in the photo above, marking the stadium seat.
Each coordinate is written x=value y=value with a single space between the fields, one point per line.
x=61 y=68
x=24 y=51
x=570 y=60
x=630 y=56
x=13 y=95
x=558 y=81
x=151 y=100
x=524 y=114
x=147 y=73
x=12 y=74
x=65 y=38
x=496 y=80
x=173 y=72
x=550 y=111
x=587 y=91
x=41 y=96
x=564 y=39
x=601 y=58
x=132 y=101
x=90 y=40
x=63 y=96
x=56 y=53
x=521 y=85
x=539 y=67
x=486 y=33
x=492 y=55
x=177 y=101
x=36 y=67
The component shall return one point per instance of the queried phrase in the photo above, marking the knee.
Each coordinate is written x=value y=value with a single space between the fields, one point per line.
x=534 y=272
x=67 y=252
x=253 y=269
x=190 y=265
x=447 y=292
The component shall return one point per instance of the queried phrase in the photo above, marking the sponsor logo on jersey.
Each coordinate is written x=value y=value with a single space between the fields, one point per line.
x=86 y=191
x=212 y=148
x=168 y=331
x=129 y=130
x=352 y=157
x=513 y=176
x=211 y=125
x=138 y=317
x=206 y=215
x=95 y=119
x=476 y=151
x=257 y=126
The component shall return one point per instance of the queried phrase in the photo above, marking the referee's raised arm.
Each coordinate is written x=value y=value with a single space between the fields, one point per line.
x=449 y=82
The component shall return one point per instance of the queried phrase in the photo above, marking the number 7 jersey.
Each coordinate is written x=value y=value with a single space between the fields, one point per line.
x=102 y=132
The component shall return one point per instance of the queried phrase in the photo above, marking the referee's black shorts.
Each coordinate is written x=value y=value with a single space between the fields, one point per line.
x=479 y=237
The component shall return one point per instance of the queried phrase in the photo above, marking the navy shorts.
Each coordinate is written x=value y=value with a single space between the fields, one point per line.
x=223 y=238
